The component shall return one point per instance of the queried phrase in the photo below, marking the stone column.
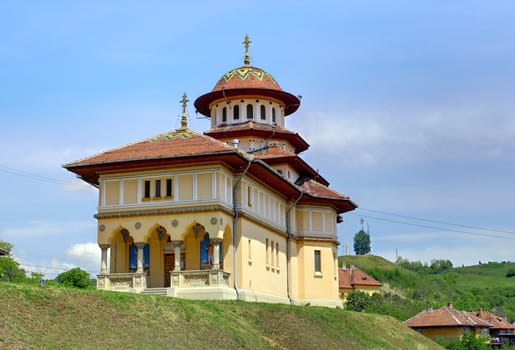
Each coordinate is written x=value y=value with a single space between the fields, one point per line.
x=103 y=261
x=177 y=245
x=141 y=257
x=216 y=252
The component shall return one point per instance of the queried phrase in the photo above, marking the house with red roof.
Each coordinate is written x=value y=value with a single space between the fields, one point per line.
x=448 y=323
x=353 y=279
x=501 y=332
x=233 y=213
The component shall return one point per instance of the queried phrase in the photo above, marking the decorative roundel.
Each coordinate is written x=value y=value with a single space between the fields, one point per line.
x=137 y=225
x=213 y=221
x=102 y=227
x=175 y=222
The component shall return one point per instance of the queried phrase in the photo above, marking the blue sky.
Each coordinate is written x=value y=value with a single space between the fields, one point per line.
x=408 y=107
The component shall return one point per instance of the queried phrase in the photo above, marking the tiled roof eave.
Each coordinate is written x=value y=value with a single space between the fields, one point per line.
x=143 y=159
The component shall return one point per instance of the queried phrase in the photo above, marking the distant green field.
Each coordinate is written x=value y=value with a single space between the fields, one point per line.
x=49 y=317
x=408 y=292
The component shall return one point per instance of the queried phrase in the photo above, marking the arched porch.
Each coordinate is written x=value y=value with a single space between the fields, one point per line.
x=184 y=263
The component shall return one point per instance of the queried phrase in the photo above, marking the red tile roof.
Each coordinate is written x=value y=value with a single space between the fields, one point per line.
x=171 y=144
x=445 y=317
x=352 y=277
x=251 y=128
x=184 y=146
x=497 y=322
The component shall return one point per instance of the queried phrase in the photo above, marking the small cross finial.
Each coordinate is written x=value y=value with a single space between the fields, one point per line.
x=184 y=118
x=246 y=43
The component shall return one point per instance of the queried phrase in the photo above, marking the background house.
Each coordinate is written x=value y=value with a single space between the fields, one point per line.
x=353 y=279
x=448 y=323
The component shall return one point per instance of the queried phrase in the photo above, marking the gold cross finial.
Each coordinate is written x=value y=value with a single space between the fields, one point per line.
x=246 y=43
x=184 y=118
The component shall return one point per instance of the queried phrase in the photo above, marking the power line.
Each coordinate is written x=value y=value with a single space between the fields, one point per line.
x=434 y=227
x=438 y=222
x=33 y=176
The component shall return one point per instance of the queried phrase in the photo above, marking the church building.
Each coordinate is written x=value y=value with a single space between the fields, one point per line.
x=233 y=213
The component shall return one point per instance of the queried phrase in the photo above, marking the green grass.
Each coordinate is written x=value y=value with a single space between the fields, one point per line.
x=50 y=317
x=407 y=292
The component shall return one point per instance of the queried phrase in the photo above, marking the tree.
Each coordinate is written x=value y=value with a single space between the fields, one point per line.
x=357 y=301
x=10 y=269
x=361 y=243
x=74 y=278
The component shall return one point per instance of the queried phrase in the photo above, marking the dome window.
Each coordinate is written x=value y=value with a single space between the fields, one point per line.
x=236 y=112
x=263 y=112
x=224 y=114
x=250 y=111
x=273 y=115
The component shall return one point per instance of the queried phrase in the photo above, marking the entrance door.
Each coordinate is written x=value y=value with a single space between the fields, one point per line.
x=170 y=264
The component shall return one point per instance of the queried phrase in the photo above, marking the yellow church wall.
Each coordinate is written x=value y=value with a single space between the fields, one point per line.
x=313 y=284
x=204 y=186
x=112 y=193
x=264 y=259
x=130 y=191
x=315 y=220
x=185 y=186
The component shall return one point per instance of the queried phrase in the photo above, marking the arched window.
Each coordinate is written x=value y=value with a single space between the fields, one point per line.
x=133 y=254
x=250 y=111
x=224 y=114
x=273 y=115
x=263 y=112
x=236 y=112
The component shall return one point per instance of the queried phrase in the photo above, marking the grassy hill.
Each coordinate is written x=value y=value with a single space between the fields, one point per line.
x=49 y=317
x=407 y=292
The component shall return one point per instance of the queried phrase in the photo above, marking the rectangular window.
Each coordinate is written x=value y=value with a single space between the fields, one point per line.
x=250 y=250
x=272 y=253
x=318 y=262
x=147 y=189
x=158 y=188
x=267 y=253
x=249 y=196
x=169 y=191
x=277 y=255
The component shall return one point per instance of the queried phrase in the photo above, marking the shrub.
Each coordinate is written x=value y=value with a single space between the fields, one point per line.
x=511 y=272
x=74 y=278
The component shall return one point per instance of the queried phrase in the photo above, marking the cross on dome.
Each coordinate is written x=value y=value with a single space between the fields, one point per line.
x=184 y=118
x=246 y=43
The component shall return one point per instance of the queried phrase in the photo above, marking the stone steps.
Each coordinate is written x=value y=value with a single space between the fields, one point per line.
x=155 y=291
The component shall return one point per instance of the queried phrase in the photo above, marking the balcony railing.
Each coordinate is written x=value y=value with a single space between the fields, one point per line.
x=122 y=281
x=199 y=278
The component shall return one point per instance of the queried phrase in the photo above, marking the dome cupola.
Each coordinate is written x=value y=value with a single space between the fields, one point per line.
x=247 y=93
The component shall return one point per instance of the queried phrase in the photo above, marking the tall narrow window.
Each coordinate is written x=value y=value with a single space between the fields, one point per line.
x=224 y=114
x=277 y=255
x=272 y=254
x=249 y=196
x=250 y=111
x=236 y=112
x=267 y=253
x=250 y=249
x=147 y=189
x=158 y=188
x=263 y=112
x=273 y=115
x=169 y=184
x=318 y=262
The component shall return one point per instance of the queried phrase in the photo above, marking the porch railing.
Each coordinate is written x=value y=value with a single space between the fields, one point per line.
x=122 y=281
x=199 y=278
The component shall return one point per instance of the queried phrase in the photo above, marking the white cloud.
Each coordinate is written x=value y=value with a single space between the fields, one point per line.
x=79 y=186
x=50 y=269
x=409 y=136
x=85 y=255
